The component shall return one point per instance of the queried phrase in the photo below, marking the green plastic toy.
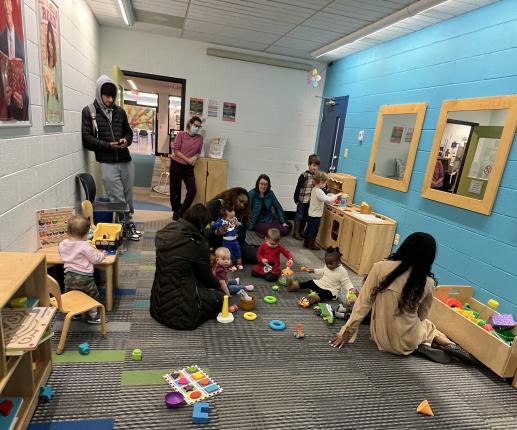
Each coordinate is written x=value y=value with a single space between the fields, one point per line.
x=136 y=355
x=325 y=311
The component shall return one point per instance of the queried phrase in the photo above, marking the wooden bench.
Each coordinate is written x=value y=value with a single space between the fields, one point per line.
x=109 y=265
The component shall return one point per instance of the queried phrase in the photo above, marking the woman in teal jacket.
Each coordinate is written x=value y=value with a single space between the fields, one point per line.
x=265 y=210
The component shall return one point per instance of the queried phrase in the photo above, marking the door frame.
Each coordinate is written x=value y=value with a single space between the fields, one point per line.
x=181 y=81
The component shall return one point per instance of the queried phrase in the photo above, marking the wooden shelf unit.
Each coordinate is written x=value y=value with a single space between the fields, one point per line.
x=363 y=240
x=211 y=176
x=342 y=183
x=23 y=274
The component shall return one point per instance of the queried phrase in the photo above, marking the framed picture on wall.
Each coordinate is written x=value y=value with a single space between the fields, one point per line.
x=14 y=74
x=50 y=59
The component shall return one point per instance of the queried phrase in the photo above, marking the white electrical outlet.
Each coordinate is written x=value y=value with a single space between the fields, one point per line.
x=396 y=241
x=360 y=136
x=345 y=153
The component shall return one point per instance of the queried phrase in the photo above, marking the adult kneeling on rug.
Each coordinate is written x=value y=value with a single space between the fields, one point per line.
x=185 y=293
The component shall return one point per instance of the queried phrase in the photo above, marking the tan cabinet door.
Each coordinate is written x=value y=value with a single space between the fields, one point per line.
x=346 y=238
x=324 y=230
x=216 y=178
x=200 y=174
x=356 y=245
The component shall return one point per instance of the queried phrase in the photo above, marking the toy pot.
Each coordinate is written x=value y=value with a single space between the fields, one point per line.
x=286 y=277
x=248 y=305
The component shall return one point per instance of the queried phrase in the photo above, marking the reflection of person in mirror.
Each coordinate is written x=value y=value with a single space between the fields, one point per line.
x=13 y=85
x=438 y=174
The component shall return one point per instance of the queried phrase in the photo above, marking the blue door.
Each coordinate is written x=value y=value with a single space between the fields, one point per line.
x=331 y=132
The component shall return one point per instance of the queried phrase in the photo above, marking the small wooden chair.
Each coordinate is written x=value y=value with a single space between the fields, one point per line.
x=71 y=304
x=87 y=211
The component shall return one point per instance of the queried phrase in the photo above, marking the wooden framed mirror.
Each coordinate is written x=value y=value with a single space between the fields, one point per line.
x=394 y=145
x=471 y=144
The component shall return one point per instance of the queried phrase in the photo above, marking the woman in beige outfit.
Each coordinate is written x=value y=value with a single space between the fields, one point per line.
x=399 y=293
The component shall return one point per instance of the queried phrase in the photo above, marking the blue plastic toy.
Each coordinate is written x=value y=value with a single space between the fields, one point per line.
x=200 y=413
x=46 y=393
x=84 y=348
x=276 y=325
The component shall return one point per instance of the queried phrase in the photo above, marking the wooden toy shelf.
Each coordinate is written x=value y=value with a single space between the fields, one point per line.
x=21 y=376
x=494 y=353
x=362 y=239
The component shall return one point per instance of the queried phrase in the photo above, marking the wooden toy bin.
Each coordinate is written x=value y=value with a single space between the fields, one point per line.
x=497 y=355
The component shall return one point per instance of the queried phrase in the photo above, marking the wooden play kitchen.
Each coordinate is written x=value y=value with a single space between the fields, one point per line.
x=363 y=239
x=25 y=356
x=492 y=351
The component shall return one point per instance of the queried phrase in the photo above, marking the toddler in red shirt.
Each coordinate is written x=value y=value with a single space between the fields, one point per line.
x=268 y=257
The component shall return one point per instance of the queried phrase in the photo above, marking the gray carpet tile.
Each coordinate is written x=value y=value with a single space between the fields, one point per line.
x=270 y=379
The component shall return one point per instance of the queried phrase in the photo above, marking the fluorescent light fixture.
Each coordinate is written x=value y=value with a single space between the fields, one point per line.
x=408 y=12
x=132 y=84
x=127 y=11
x=271 y=61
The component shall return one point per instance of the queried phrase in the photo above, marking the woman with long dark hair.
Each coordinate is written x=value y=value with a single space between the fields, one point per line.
x=52 y=79
x=236 y=198
x=399 y=294
x=265 y=210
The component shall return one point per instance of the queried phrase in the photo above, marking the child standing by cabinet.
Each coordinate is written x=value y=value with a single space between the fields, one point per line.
x=302 y=196
x=79 y=256
x=317 y=203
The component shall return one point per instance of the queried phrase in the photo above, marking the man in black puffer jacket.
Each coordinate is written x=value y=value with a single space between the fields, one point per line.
x=108 y=134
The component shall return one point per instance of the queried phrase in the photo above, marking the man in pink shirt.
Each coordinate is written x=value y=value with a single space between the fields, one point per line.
x=185 y=151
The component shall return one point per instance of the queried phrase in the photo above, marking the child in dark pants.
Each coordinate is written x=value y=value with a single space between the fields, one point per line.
x=334 y=279
x=317 y=203
x=302 y=196
x=268 y=257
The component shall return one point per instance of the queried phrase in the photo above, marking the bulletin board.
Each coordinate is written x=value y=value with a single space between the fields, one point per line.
x=52 y=225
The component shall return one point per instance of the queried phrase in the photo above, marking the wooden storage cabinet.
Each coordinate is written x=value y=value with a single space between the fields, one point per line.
x=342 y=183
x=211 y=177
x=21 y=275
x=362 y=239
x=497 y=355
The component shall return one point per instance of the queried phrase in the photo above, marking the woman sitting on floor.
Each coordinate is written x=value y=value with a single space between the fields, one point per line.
x=236 y=198
x=266 y=210
x=185 y=292
x=399 y=293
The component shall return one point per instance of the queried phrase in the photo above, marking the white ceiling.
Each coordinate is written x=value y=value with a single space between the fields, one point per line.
x=291 y=28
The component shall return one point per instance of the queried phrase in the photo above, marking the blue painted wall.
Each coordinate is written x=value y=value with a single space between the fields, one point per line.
x=473 y=55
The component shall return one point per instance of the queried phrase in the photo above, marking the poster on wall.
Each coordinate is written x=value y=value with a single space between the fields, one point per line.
x=396 y=134
x=409 y=135
x=484 y=158
x=52 y=225
x=229 y=111
x=50 y=59
x=140 y=117
x=196 y=106
x=213 y=108
x=14 y=74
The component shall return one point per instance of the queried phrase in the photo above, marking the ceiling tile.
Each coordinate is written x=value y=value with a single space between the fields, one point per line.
x=227 y=31
x=337 y=23
x=167 y=7
x=291 y=42
x=222 y=40
x=314 y=34
x=295 y=53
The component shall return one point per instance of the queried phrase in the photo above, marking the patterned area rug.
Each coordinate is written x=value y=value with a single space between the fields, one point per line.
x=270 y=379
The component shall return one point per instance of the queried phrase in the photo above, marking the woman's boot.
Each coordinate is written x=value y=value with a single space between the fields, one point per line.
x=297 y=234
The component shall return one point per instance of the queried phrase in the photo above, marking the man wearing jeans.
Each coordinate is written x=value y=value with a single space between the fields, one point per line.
x=105 y=130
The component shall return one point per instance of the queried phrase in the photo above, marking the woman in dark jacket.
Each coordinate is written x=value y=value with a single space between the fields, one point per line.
x=185 y=293
x=236 y=198
x=265 y=210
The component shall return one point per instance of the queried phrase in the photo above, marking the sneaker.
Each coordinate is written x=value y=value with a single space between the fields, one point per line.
x=240 y=267
x=95 y=319
x=459 y=353
x=132 y=228
x=249 y=287
x=237 y=280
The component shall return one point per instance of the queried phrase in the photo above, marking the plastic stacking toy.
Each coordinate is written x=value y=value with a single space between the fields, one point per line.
x=298 y=334
x=275 y=288
x=225 y=316
x=249 y=316
x=493 y=303
x=46 y=393
x=84 y=348
x=174 y=399
x=200 y=413
x=270 y=300
x=136 y=355
x=425 y=409
x=277 y=325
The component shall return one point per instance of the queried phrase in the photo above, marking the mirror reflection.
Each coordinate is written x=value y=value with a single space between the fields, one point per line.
x=394 y=144
x=467 y=151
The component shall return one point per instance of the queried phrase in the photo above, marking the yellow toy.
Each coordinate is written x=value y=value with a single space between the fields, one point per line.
x=424 y=408
x=224 y=316
x=493 y=303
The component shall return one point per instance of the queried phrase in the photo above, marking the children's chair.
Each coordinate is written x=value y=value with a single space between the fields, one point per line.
x=164 y=171
x=87 y=211
x=71 y=304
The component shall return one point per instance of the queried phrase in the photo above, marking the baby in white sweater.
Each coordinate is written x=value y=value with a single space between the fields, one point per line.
x=334 y=279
